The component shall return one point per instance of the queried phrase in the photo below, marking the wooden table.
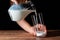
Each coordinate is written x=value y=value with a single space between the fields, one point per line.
x=22 y=35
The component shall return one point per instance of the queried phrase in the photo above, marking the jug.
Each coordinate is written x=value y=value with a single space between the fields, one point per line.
x=20 y=11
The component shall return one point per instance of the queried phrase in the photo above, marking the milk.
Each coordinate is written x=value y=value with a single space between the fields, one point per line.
x=17 y=15
x=40 y=33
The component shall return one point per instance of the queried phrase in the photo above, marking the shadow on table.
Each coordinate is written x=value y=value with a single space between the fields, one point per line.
x=53 y=33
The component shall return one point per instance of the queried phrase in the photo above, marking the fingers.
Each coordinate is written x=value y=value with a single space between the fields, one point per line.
x=18 y=1
x=43 y=28
x=15 y=1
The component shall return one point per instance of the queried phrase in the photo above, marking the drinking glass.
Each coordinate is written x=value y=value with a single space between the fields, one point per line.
x=37 y=20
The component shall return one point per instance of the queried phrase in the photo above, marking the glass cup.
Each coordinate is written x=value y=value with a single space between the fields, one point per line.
x=37 y=20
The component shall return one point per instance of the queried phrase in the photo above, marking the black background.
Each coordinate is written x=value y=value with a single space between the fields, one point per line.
x=50 y=10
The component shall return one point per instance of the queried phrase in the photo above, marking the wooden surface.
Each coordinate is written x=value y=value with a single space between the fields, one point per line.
x=22 y=35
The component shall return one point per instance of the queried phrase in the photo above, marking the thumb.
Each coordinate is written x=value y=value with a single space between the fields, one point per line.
x=32 y=31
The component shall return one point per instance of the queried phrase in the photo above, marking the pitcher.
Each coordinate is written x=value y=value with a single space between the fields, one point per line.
x=20 y=11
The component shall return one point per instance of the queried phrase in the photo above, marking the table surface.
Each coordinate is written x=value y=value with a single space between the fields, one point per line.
x=23 y=35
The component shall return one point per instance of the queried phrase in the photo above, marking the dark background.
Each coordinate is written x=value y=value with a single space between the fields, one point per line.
x=50 y=10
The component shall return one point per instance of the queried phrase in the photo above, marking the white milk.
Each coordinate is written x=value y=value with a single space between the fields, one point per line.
x=40 y=33
x=17 y=15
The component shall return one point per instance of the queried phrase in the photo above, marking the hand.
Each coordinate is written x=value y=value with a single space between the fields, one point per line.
x=18 y=1
x=41 y=27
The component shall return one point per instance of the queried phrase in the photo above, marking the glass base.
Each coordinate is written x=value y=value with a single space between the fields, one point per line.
x=40 y=33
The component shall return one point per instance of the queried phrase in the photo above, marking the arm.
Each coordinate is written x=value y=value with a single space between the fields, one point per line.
x=30 y=29
x=26 y=26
